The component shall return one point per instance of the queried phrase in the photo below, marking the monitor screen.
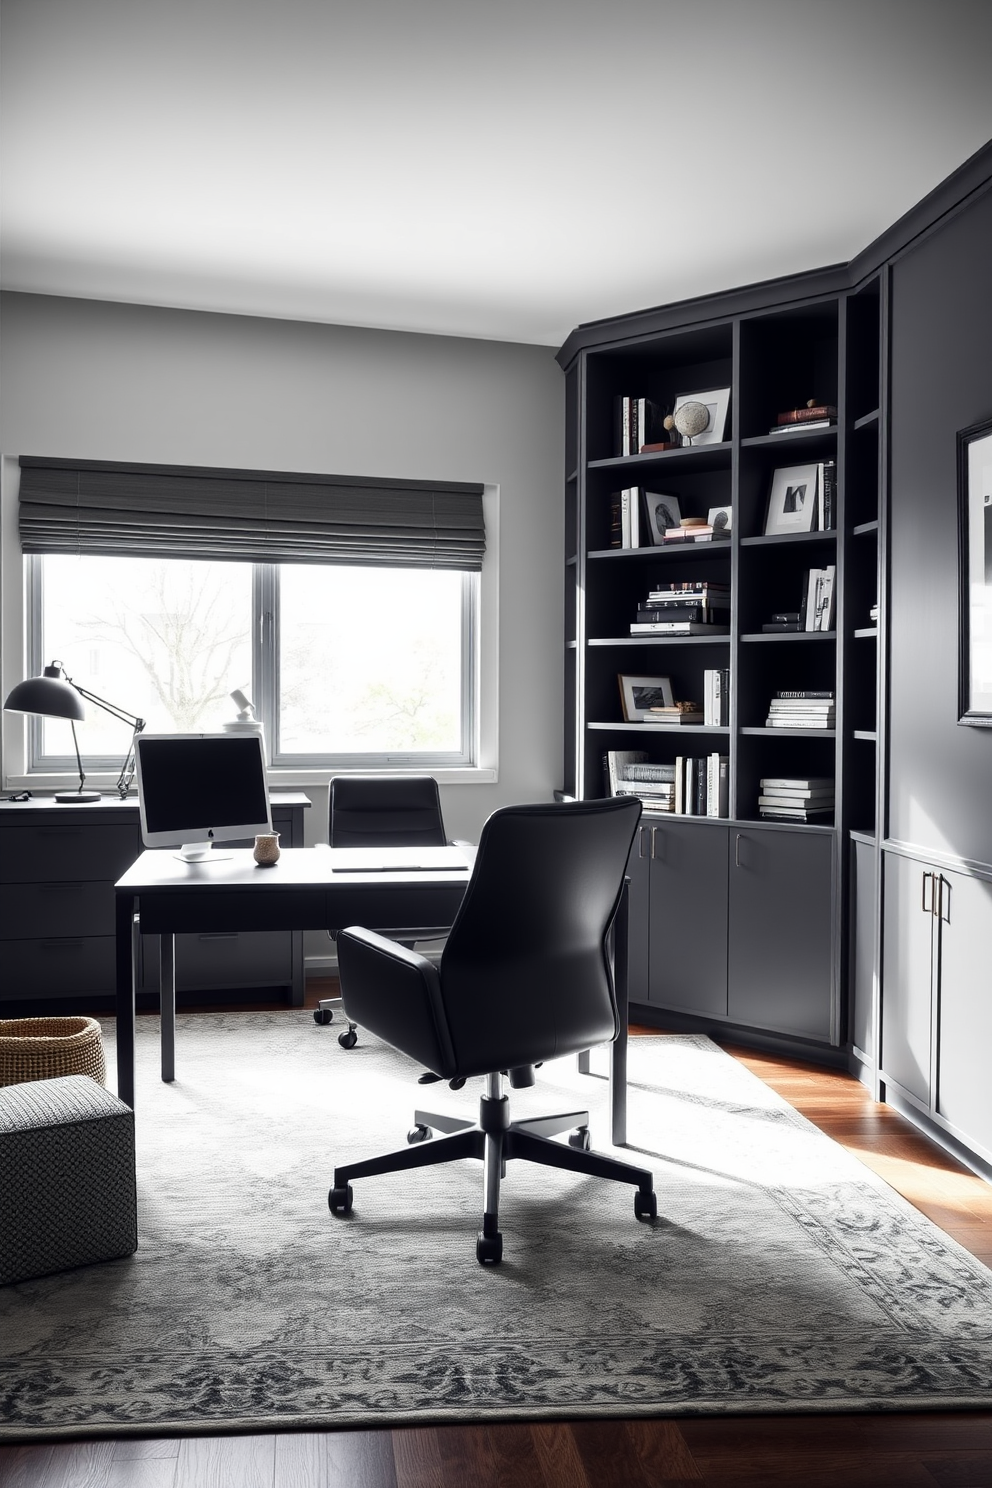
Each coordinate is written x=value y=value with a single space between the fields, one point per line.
x=201 y=788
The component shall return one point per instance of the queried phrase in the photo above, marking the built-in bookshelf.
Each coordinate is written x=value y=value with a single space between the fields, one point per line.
x=774 y=875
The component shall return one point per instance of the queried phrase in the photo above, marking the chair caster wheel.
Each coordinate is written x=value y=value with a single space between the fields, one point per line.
x=323 y=1015
x=580 y=1139
x=419 y=1133
x=645 y=1205
x=340 y=1200
x=489 y=1249
x=348 y=1039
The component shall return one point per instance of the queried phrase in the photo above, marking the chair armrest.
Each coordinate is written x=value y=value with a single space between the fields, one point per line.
x=395 y=994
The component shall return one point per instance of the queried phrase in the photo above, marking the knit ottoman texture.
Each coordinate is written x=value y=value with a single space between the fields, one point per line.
x=67 y=1188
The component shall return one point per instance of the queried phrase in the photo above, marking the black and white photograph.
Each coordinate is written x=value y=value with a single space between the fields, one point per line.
x=721 y=519
x=975 y=549
x=640 y=694
x=792 y=500
x=663 y=513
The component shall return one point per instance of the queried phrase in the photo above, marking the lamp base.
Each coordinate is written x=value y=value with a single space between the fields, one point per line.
x=78 y=795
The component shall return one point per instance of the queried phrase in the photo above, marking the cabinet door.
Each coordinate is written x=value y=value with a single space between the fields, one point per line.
x=907 y=974
x=687 y=938
x=862 y=946
x=638 y=908
x=965 y=1007
x=780 y=963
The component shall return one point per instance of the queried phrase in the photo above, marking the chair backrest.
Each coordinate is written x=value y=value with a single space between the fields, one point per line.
x=385 y=811
x=526 y=974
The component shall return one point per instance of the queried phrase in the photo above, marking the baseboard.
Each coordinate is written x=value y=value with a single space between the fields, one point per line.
x=748 y=1038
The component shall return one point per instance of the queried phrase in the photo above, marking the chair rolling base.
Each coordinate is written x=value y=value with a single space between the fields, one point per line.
x=495 y=1141
x=324 y=1013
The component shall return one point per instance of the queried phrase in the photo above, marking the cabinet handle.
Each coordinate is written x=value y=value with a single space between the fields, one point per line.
x=941 y=883
x=219 y=935
x=737 y=851
x=654 y=840
x=641 y=837
x=926 y=908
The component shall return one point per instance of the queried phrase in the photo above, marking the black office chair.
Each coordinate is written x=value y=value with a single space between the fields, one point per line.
x=525 y=976
x=383 y=811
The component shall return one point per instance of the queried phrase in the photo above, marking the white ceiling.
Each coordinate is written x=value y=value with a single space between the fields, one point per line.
x=493 y=168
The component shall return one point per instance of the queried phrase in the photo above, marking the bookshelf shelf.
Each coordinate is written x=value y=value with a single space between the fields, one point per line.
x=788 y=637
x=866 y=633
x=866 y=529
x=791 y=540
x=868 y=420
x=659 y=728
x=661 y=640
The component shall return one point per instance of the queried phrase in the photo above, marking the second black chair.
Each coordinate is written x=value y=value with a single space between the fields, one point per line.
x=375 y=811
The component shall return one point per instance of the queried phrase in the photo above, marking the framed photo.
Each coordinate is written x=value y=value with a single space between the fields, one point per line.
x=717 y=403
x=662 y=513
x=720 y=519
x=975 y=582
x=638 y=694
x=792 y=500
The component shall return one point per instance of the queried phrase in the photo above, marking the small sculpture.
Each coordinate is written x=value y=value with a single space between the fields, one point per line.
x=689 y=420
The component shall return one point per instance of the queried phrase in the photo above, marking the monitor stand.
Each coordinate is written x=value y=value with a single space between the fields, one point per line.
x=201 y=852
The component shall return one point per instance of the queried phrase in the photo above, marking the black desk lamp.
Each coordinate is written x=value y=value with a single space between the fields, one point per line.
x=55 y=695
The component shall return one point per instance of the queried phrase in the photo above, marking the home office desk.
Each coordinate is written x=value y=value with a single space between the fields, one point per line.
x=161 y=895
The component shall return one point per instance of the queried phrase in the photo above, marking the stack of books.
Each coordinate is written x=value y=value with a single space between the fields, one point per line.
x=813 y=416
x=690 y=608
x=802 y=710
x=637 y=421
x=689 y=786
x=716 y=697
x=787 y=798
x=819 y=598
x=675 y=713
x=694 y=530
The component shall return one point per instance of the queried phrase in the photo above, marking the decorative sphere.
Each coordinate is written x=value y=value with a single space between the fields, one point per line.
x=691 y=419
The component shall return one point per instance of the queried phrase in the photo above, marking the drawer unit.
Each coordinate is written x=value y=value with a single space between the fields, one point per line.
x=57 y=966
x=58 y=866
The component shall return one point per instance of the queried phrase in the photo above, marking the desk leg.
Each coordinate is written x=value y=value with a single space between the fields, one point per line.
x=167 y=1001
x=125 y=996
x=618 y=1049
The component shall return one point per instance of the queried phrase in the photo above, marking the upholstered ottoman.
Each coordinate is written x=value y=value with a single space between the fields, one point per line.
x=67 y=1191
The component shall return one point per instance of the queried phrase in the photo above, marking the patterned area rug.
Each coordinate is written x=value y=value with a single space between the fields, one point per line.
x=781 y=1275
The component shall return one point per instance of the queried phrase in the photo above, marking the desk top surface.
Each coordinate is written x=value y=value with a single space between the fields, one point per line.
x=161 y=869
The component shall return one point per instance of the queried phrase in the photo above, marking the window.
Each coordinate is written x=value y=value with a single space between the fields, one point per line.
x=347 y=666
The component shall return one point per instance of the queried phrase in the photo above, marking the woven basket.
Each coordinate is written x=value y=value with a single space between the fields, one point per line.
x=44 y=1048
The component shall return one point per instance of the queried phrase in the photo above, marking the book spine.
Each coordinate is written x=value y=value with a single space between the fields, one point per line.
x=829 y=494
x=616 y=520
x=700 y=806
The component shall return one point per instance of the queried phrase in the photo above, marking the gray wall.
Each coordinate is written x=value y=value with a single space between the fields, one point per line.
x=940 y=775
x=90 y=379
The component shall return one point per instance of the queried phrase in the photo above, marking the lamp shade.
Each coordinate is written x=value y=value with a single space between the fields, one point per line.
x=49 y=696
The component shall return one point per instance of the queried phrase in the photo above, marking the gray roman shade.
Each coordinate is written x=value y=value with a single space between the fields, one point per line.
x=254 y=516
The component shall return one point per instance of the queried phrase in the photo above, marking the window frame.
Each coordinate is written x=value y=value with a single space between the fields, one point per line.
x=265 y=628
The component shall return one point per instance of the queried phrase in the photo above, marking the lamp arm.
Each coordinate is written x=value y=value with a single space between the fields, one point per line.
x=127 y=769
x=136 y=723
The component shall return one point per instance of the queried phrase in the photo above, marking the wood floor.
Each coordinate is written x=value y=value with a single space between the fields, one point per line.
x=949 y=1449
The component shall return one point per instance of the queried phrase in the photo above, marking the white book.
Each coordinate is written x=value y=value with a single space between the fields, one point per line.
x=825 y=614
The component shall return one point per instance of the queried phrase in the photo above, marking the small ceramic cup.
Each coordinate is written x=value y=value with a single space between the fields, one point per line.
x=266 y=852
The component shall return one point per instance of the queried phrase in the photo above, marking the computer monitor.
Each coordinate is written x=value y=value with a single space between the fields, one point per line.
x=198 y=789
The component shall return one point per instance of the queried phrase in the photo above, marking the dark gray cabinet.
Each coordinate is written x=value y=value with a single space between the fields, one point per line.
x=861 y=970
x=781 y=931
x=937 y=1002
x=738 y=926
x=910 y=945
x=58 y=866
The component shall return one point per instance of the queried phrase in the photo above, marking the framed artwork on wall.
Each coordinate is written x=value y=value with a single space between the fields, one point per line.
x=975 y=569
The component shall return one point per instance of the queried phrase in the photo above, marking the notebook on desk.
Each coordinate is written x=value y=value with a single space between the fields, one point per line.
x=398 y=859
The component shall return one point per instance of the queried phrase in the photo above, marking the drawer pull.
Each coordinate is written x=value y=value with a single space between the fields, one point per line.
x=219 y=935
